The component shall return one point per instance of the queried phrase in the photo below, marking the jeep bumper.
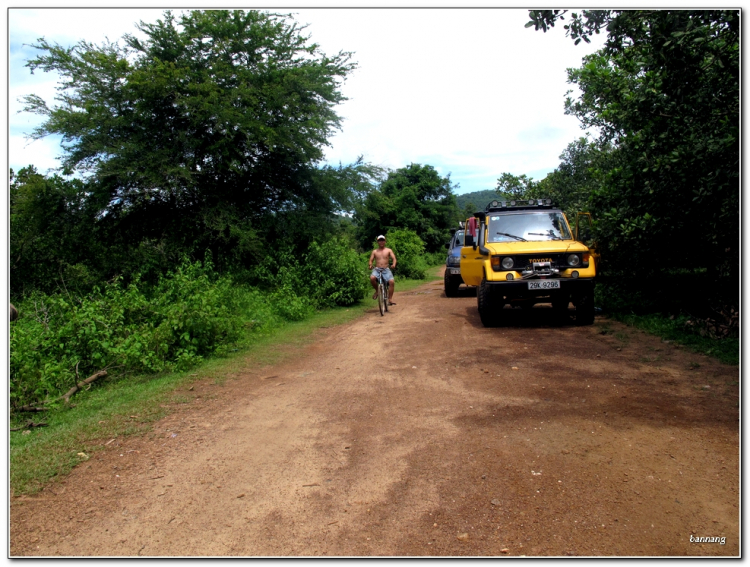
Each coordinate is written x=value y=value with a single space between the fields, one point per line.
x=520 y=288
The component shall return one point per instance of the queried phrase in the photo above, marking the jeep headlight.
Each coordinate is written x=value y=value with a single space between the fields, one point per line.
x=574 y=260
x=454 y=260
x=507 y=262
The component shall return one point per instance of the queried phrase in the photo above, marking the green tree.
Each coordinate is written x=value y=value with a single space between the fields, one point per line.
x=664 y=92
x=189 y=137
x=511 y=186
x=581 y=171
x=414 y=198
x=51 y=233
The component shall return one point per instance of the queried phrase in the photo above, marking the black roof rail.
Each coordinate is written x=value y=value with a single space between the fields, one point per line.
x=518 y=204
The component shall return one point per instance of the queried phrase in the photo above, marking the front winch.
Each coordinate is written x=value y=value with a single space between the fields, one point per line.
x=540 y=269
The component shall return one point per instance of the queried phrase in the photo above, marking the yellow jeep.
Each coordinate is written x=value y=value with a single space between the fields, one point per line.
x=523 y=253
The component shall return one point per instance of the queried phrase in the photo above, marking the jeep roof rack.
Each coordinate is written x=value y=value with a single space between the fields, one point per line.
x=518 y=204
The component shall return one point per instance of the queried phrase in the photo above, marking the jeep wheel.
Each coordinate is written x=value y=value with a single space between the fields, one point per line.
x=450 y=284
x=585 y=309
x=489 y=304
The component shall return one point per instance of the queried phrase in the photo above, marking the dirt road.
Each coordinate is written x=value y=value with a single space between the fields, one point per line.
x=422 y=433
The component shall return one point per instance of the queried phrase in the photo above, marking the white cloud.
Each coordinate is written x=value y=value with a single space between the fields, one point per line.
x=41 y=154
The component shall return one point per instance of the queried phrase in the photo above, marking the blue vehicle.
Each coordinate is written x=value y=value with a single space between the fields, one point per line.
x=452 y=278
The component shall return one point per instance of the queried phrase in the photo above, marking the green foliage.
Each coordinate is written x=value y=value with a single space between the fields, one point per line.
x=511 y=186
x=414 y=198
x=347 y=186
x=326 y=274
x=581 y=172
x=664 y=95
x=409 y=251
x=48 y=233
x=59 y=339
x=214 y=103
x=189 y=314
x=334 y=274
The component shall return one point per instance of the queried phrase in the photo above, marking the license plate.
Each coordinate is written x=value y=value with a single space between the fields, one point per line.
x=545 y=284
x=455 y=271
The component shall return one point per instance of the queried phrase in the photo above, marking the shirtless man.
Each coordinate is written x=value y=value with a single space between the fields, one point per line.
x=382 y=256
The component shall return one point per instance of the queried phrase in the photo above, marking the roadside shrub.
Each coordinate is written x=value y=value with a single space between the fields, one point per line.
x=58 y=339
x=435 y=258
x=409 y=251
x=334 y=274
x=328 y=274
x=289 y=305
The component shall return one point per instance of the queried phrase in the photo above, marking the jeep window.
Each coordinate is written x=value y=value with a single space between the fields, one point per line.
x=459 y=238
x=527 y=225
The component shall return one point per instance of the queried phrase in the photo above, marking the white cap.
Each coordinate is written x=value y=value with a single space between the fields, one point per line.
x=380 y=237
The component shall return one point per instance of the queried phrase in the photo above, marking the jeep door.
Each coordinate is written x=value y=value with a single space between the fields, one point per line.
x=472 y=261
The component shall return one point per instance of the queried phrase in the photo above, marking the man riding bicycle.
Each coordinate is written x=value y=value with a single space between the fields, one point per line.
x=382 y=256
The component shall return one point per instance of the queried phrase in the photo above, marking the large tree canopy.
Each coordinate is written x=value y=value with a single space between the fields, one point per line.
x=664 y=95
x=198 y=134
x=212 y=107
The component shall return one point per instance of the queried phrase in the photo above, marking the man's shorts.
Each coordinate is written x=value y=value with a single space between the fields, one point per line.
x=387 y=275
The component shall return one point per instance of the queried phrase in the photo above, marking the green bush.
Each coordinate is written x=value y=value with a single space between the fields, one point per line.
x=289 y=305
x=59 y=339
x=334 y=274
x=409 y=251
x=435 y=258
x=329 y=273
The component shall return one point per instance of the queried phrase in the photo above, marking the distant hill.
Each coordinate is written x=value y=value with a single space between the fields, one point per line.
x=479 y=198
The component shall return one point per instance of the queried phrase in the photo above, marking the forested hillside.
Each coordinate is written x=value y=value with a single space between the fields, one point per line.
x=475 y=201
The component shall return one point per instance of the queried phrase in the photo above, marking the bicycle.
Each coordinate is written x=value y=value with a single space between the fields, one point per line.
x=382 y=292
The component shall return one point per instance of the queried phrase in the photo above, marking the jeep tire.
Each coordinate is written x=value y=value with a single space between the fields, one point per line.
x=490 y=305
x=450 y=284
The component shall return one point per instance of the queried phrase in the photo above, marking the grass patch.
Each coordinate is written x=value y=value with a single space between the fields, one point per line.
x=128 y=405
x=726 y=350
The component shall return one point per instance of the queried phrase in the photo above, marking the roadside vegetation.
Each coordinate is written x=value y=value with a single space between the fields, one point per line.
x=661 y=174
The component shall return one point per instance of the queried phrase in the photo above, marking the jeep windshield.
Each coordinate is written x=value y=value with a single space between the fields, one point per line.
x=530 y=226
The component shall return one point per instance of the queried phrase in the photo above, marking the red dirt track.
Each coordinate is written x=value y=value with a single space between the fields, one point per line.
x=422 y=433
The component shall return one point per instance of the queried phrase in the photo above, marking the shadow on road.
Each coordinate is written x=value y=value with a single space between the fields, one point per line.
x=539 y=316
x=463 y=291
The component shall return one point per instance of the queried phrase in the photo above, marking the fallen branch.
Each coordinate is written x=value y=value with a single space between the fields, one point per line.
x=66 y=396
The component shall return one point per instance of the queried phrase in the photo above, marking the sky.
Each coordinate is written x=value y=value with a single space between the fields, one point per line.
x=471 y=92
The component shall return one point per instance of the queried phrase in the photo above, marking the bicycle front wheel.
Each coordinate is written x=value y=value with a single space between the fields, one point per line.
x=381 y=298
